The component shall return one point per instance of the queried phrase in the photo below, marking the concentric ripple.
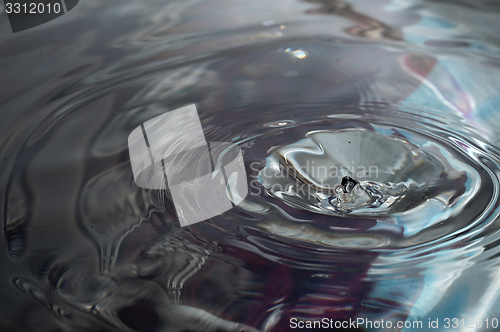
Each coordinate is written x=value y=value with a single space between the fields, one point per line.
x=403 y=180
x=407 y=186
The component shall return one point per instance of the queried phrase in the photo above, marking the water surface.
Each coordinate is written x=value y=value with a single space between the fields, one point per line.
x=370 y=138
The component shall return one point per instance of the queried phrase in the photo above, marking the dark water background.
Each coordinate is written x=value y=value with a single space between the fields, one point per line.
x=85 y=249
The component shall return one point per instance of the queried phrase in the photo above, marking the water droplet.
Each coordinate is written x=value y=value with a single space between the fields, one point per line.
x=348 y=184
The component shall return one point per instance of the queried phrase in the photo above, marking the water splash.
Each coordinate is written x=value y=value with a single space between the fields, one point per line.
x=379 y=174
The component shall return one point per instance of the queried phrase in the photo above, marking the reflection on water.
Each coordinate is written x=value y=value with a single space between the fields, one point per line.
x=394 y=101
